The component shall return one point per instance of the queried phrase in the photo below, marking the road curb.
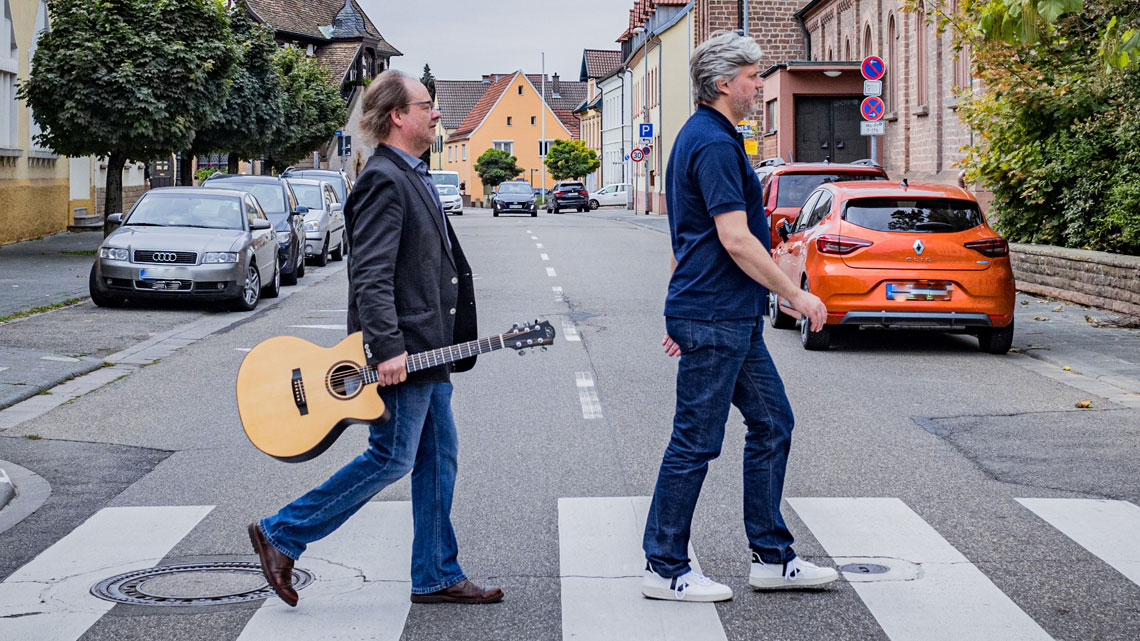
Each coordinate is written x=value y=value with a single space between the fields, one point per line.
x=90 y=365
x=34 y=490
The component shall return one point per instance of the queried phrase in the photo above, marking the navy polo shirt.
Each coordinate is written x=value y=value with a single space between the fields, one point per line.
x=709 y=174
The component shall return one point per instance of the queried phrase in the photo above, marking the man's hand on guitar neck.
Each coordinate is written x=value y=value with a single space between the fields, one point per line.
x=394 y=370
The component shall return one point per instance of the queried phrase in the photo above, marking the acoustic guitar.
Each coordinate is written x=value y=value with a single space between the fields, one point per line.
x=295 y=397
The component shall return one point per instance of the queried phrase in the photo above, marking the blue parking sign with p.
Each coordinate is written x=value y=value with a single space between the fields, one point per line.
x=645 y=130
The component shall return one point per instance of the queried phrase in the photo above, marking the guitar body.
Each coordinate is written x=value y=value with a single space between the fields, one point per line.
x=295 y=397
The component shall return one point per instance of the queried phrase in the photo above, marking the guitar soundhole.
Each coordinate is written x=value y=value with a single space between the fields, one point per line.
x=344 y=380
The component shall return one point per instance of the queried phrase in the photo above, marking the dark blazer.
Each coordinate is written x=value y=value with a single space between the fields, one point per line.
x=408 y=291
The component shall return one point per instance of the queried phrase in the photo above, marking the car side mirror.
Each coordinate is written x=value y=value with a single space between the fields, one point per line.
x=301 y=209
x=115 y=219
x=782 y=230
x=260 y=224
x=336 y=207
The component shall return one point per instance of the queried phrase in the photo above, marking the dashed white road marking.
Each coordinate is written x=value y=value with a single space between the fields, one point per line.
x=538 y=245
x=242 y=349
x=534 y=237
x=342 y=327
x=1108 y=529
x=544 y=257
x=529 y=231
x=570 y=332
x=588 y=396
x=550 y=272
x=557 y=294
x=3 y=369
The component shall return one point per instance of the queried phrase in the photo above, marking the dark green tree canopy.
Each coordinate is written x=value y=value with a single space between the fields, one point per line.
x=312 y=108
x=136 y=77
x=496 y=167
x=571 y=159
x=428 y=80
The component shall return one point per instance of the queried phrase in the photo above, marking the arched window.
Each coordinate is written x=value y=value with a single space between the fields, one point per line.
x=830 y=56
x=868 y=46
x=9 y=67
x=920 y=55
x=42 y=27
x=892 y=64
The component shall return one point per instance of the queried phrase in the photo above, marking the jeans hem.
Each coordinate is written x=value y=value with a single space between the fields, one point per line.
x=446 y=583
x=272 y=541
x=688 y=568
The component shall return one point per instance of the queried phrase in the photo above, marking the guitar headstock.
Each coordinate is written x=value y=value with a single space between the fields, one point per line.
x=537 y=333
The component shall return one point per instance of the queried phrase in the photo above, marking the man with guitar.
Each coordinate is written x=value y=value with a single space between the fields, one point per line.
x=721 y=267
x=410 y=290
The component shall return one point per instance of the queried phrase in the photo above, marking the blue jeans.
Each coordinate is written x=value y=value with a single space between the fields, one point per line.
x=723 y=363
x=419 y=438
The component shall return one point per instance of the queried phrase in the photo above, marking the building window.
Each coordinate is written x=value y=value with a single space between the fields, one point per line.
x=465 y=151
x=520 y=90
x=847 y=49
x=868 y=47
x=920 y=58
x=9 y=67
x=450 y=154
x=506 y=145
x=533 y=119
x=770 y=115
x=892 y=64
x=543 y=147
x=961 y=58
x=508 y=121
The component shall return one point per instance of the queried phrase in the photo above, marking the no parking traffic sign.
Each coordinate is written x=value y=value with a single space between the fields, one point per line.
x=873 y=68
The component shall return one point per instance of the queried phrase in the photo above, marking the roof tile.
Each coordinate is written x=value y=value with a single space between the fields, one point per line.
x=601 y=62
x=456 y=99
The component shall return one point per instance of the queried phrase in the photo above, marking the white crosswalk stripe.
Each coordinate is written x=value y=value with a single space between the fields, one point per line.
x=599 y=547
x=1108 y=529
x=932 y=592
x=362 y=583
x=49 y=598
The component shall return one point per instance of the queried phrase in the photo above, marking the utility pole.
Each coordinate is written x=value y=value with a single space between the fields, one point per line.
x=542 y=141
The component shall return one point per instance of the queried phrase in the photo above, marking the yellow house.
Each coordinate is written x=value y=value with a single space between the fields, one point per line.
x=454 y=99
x=509 y=117
x=33 y=180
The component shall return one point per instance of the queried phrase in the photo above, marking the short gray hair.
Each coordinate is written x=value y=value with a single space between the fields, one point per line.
x=386 y=93
x=721 y=56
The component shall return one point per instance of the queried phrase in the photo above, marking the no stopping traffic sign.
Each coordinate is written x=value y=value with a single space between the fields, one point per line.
x=872 y=108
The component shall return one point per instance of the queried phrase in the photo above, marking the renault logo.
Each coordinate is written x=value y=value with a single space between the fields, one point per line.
x=164 y=257
x=918 y=247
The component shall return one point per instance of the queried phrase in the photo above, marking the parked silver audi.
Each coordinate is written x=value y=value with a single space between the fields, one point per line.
x=199 y=243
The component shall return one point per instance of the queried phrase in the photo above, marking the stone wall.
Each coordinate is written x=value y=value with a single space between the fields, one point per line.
x=1097 y=279
x=130 y=196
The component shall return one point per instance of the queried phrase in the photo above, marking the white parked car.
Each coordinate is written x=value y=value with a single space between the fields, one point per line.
x=451 y=199
x=615 y=195
x=324 y=222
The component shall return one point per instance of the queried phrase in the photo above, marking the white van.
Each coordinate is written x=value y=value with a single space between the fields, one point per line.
x=445 y=177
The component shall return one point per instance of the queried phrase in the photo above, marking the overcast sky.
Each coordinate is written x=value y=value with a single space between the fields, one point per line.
x=464 y=39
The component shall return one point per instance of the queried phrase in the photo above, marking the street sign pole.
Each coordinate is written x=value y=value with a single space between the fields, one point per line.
x=873 y=69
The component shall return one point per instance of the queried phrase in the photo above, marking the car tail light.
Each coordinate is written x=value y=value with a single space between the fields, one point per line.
x=559 y=193
x=833 y=244
x=992 y=247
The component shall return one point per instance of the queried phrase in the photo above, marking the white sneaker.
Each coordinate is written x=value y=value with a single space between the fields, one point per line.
x=796 y=573
x=687 y=587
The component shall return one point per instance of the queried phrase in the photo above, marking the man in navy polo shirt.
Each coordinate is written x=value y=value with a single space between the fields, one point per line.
x=721 y=269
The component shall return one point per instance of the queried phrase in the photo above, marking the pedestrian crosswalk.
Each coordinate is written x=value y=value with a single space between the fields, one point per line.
x=930 y=591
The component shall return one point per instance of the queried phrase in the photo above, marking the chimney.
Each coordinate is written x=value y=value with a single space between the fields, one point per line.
x=554 y=85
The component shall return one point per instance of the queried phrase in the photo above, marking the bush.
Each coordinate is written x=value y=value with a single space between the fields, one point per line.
x=202 y=174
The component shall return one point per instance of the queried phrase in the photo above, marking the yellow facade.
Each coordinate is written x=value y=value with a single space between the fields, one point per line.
x=514 y=118
x=591 y=130
x=34 y=198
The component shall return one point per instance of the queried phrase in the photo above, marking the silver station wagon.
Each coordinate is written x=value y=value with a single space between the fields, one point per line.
x=189 y=242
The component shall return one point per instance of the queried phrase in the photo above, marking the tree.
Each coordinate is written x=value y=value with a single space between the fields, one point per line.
x=428 y=80
x=312 y=109
x=496 y=167
x=128 y=79
x=250 y=119
x=571 y=159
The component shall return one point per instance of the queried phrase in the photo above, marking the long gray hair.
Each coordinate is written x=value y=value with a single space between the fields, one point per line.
x=387 y=93
x=720 y=57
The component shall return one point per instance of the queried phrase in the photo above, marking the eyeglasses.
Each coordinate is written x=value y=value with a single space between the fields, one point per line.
x=427 y=103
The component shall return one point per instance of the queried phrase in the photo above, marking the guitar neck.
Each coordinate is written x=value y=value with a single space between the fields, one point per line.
x=444 y=355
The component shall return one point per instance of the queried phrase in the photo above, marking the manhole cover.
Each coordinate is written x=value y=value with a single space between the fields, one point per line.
x=864 y=568
x=192 y=584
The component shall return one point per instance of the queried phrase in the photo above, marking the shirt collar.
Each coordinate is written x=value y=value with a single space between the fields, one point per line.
x=414 y=163
x=717 y=116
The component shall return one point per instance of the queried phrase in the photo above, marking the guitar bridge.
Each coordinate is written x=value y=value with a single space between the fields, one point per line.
x=299 y=393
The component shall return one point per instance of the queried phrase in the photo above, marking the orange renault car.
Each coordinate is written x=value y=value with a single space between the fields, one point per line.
x=897 y=256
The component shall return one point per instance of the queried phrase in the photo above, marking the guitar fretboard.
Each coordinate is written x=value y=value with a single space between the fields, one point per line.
x=444 y=355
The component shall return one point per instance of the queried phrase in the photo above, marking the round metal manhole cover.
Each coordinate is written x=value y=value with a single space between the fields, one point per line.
x=192 y=584
x=864 y=568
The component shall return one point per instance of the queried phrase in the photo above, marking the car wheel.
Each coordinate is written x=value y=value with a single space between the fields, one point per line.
x=556 y=209
x=534 y=214
x=250 y=291
x=99 y=294
x=820 y=340
x=290 y=278
x=273 y=290
x=300 y=269
x=322 y=259
x=594 y=204
x=338 y=253
x=495 y=213
x=996 y=340
x=777 y=318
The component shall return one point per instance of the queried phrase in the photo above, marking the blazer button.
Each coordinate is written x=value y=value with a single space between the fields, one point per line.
x=454 y=281
x=452 y=312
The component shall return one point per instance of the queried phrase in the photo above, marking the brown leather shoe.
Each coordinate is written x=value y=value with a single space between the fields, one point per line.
x=462 y=592
x=277 y=568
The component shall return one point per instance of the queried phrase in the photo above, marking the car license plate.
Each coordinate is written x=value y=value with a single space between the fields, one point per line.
x=516 y=206
x=922 y=290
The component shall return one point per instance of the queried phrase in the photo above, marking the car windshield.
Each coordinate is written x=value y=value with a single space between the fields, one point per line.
x=447 y=190
x=515 y=188
x=186 y=210
x=307 y=195
x=269 y=196
x=333 y=178
x=913 y=215
x=795 y=188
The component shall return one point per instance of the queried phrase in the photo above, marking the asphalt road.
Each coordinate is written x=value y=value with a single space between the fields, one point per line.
x=912 y=448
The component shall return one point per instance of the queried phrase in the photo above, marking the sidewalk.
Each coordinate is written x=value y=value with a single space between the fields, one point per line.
x=35 y=273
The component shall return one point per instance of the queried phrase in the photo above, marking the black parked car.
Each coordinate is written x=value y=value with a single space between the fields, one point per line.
x=568 y=194
x=280 y=205
x=514 y=197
